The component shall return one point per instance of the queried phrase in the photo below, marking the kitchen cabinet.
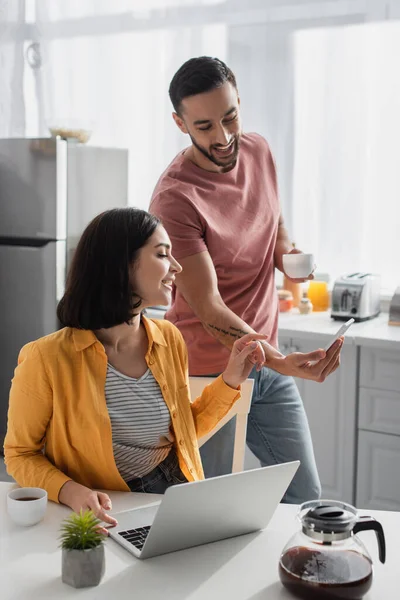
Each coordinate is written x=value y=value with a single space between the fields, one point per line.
x=378 y=466
x=331 y=412
x=378 y=473
x=356 y=407
x=379 y=411
x=380 y=369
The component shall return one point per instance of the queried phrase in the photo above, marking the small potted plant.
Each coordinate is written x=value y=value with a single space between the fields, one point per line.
x=82 y=546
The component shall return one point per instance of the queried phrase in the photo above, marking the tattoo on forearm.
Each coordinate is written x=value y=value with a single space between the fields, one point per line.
x=240 y=331
x=233 y=332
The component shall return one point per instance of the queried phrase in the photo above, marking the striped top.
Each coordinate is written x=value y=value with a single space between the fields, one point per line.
x=140 y=422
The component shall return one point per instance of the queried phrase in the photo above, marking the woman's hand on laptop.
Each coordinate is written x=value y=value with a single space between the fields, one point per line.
x=246 y=353
x=78 y=497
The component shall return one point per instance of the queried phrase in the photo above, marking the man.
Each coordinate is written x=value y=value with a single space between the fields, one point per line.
x=218 y=201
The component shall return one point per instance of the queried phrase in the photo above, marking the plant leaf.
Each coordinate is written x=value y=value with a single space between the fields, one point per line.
x=80 y=531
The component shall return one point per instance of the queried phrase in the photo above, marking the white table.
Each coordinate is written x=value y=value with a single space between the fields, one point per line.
x=242 y=568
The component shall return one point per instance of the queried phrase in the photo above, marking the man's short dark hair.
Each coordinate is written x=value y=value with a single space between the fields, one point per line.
x=98 y=290
x=196 y=76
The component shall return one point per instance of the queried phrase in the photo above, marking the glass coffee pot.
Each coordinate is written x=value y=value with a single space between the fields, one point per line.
x=326 y=560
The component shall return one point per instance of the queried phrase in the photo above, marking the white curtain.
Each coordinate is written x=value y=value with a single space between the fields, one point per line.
x=327 y=100
x=262 y=59
x=346 y=180
x=12 y=105
x=117 y=83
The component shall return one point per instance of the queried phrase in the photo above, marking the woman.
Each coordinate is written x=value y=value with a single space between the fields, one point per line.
x=104 y=402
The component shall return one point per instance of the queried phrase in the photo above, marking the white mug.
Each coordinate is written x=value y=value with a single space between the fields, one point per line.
x=27 y=505
x=298 y=266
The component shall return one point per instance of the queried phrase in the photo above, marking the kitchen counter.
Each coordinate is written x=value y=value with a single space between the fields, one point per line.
x=316 y=326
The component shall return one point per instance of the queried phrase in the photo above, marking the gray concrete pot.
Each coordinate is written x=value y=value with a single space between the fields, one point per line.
x=83 y=568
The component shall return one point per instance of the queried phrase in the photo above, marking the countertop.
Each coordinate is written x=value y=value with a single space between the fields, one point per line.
x=317 y=326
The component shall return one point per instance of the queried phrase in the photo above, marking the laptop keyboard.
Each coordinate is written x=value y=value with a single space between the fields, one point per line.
x=136 y=537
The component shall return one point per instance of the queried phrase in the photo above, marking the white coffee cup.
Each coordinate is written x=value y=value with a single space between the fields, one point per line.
x=27 y=505
x=298 y=266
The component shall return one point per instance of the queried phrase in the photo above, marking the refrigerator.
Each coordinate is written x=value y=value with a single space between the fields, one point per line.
x=49 y=191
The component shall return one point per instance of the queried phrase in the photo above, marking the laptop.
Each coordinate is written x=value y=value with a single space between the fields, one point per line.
x=200 y=512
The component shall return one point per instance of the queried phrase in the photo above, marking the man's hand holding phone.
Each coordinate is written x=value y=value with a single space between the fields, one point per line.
x=316 y=365
x=339 y=333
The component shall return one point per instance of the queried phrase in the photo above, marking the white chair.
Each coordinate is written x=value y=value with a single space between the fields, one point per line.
x=241 y=409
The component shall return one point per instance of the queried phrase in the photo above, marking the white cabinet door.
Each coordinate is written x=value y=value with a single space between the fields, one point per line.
x=379 y=411
x=380 y=369
x=378 y=479
x=331 y=412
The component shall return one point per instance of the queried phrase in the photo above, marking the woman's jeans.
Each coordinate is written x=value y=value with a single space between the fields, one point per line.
x=277 y=432
x=167 y=473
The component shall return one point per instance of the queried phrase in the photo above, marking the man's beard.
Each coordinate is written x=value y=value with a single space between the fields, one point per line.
x=220 y=163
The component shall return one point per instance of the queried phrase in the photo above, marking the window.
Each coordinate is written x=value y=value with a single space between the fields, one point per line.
x=326 y=100
x=346 y=179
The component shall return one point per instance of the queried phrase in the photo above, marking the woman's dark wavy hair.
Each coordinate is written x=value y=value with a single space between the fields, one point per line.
x=98 y=291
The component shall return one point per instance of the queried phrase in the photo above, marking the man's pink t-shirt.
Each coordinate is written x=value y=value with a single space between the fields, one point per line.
x=234 y=216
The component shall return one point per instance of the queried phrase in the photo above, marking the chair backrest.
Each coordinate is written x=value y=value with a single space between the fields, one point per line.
x=241 y=409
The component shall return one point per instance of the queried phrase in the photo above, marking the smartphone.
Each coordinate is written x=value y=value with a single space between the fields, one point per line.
x=341 y=331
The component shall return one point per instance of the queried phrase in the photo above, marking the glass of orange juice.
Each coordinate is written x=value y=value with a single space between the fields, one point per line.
x=318 y=294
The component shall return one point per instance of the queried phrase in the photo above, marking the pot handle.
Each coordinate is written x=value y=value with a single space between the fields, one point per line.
x=368 y=523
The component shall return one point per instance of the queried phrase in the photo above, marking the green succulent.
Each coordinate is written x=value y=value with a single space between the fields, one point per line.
x=80 y=531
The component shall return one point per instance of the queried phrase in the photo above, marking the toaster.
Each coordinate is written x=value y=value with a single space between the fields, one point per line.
x=356 y=295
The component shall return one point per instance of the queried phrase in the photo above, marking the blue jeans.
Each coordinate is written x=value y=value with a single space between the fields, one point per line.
x=277 y=432
x=164 y=475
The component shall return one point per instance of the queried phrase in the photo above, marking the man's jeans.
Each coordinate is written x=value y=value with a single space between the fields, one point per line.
x=277 y=432
x=167 y=473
